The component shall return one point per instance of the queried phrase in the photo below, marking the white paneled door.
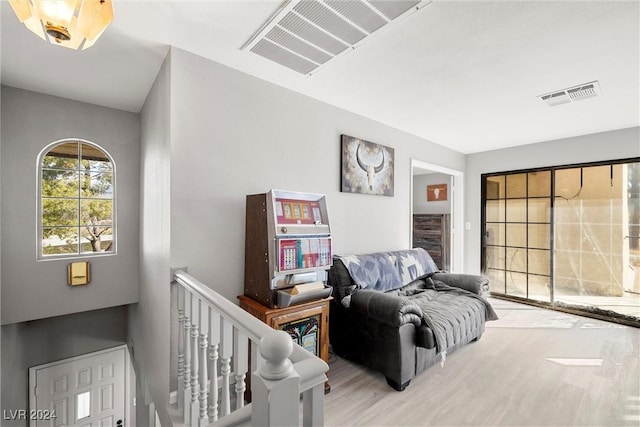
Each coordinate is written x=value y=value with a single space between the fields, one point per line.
x=85 y=391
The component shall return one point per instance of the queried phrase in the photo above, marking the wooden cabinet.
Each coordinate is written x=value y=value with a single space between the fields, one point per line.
x=306 y=323
x=431 y=232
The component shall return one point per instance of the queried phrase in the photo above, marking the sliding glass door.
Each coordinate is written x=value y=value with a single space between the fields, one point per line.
x=516 y=236
x=565 y=235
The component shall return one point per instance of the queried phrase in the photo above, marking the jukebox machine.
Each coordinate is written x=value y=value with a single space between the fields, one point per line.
x=287 y=248
x=287 y=255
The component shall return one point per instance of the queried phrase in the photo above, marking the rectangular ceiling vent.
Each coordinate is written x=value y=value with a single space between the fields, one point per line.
x=572 y=94
x=306 y=35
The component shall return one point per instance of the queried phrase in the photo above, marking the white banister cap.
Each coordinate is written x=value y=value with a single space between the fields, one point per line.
x=275 y=348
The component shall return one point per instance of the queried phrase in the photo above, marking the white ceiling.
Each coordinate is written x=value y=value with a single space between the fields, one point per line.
x=463 y=74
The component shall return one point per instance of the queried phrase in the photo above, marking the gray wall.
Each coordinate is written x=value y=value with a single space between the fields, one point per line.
x=150 y=318
x=0 y=198
x=34 y=289
x=233 y=135
x=619 y=144
x=420 y=204
x=37 y=342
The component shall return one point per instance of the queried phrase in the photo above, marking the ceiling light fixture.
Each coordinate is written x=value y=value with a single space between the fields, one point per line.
x=75 y=24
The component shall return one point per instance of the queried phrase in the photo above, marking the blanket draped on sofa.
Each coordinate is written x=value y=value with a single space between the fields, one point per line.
x=446 y=313
x=397 y=314
x=442 y=308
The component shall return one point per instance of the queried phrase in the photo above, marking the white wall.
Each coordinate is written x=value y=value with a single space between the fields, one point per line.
x=619 y=144
x=34 y=289
x=233 y=135
x=420 y=204
x=150 y=318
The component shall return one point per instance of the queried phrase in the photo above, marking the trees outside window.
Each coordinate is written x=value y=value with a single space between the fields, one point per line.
x=77 y=200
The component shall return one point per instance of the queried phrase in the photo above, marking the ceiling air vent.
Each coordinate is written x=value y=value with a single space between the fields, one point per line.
x=572 y=94
x=587 y=91
x=305 y=35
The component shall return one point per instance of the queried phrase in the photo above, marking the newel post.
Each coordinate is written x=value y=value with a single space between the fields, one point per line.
x=275 y=385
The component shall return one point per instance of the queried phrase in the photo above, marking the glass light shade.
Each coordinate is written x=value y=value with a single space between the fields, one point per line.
x=75 y=24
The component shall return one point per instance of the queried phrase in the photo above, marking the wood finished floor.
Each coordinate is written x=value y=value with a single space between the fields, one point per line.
x=533 y=367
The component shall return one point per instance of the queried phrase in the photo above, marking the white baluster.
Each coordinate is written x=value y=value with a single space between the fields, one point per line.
x=225 y=367
x=240 y=361
x=214 y=328
x=205 y=337
x=202 y=355
x=256 y=359
x=275 y=385
x=180 y=306
x=195 y=365
x=186 y=380
x=313 y=406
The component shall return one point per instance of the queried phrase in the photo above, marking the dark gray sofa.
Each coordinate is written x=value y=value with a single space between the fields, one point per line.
x=400 y=323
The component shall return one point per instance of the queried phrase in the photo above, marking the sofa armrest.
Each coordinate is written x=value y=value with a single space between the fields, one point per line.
x=386 y=308
x=469 y=282
x=425 y=338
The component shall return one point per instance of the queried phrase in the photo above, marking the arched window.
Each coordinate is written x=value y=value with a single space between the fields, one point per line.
x=76 y=208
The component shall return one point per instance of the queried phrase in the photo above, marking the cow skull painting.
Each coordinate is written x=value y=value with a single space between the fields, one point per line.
x=366 y=167
x=369 y=169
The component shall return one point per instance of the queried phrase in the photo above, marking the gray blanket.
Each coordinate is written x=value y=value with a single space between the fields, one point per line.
x=446 y=310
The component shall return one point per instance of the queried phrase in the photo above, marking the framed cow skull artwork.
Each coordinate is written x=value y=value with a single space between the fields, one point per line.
x=437 y=193
x=367 y=168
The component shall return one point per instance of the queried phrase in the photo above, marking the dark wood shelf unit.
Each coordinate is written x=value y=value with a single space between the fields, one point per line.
x=431 y=232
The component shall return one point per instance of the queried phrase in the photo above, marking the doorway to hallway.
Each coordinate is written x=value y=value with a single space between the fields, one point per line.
x=436 y=213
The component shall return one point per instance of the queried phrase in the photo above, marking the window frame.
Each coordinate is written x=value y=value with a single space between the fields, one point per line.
x=40 y=256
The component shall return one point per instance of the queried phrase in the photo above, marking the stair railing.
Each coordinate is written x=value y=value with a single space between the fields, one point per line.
x=218 y=344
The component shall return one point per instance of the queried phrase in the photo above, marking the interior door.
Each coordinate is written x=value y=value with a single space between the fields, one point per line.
x=85 y=391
